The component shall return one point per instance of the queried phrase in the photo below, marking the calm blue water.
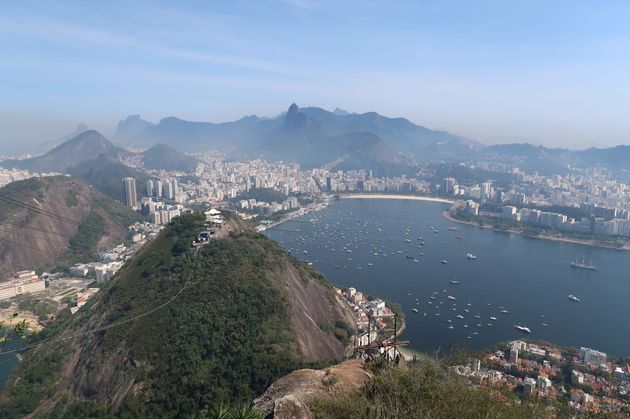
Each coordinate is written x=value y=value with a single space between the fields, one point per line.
x=528 y=277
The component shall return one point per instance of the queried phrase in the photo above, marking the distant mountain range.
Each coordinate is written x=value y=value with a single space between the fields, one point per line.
x=311 y=136
x=557 y=160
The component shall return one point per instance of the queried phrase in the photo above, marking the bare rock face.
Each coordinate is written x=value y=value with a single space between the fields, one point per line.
x=288 y=397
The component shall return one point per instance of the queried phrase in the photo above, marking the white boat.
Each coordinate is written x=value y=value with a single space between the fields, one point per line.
x=574 y=298
x=415 y=310
x=450 y=297
x=493 y=318
x=459 y=316
x=444 y=262
x=505 y=311
x=522 y=329
x=582 y=265
x=470 y=256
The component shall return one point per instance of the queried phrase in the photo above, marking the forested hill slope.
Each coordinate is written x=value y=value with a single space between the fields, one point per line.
x=32 y=240
x=247 y=314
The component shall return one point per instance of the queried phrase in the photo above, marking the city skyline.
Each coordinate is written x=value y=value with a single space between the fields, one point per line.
x=497 y=73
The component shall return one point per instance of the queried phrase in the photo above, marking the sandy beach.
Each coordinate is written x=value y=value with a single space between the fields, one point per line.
x=403 y=197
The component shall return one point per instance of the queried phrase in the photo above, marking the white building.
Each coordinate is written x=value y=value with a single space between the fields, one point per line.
x=131 y=198
x=591 y=356
x=24 y=282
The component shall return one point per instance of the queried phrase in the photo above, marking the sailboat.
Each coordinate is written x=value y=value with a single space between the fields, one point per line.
x=582 y=265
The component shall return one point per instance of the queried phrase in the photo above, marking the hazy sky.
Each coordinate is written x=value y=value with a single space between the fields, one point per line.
x=549 y=72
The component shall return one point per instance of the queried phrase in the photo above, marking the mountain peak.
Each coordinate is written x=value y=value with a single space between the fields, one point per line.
x=86 y=146
x=132 y=126
x=294 y=108
x=162 y=156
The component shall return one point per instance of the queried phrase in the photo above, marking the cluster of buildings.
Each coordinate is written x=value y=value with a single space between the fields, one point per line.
x=596 y=384
x=161 y=213
x=24 y=282
x=13 y=175
x=217 y=180
x=561 y=222
x=164 y=189
x=603 y=203
x=371 y=316
x=266 y=208
x=113 y=259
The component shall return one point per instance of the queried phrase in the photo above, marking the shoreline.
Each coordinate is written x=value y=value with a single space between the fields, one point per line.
x=446 y=214
x=400 y=197
x=314 y=207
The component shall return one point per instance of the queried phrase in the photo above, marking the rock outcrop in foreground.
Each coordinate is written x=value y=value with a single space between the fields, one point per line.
x=288 y=397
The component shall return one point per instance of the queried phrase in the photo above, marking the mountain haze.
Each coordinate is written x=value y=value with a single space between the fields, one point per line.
x=86 y=146
x=163 y=157
x=48 y=145
x=314 y=128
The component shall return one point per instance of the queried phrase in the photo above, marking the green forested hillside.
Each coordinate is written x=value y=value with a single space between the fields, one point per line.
x=56 y=221
x=223 y=340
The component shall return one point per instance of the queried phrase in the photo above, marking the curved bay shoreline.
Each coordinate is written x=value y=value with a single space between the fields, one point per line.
x=449 y=216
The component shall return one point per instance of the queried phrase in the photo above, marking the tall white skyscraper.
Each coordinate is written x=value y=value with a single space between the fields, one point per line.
x=158 y=189
x=167 y=189
x=130 y=192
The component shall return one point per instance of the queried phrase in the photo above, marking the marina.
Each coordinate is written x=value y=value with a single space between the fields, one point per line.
x=499 y=290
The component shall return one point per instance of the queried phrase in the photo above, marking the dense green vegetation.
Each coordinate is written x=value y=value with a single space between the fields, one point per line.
x=222 y=341
x=16 y=190
x=88 y=234
x=119 y=213
x=420 y=390
x=341 y=330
